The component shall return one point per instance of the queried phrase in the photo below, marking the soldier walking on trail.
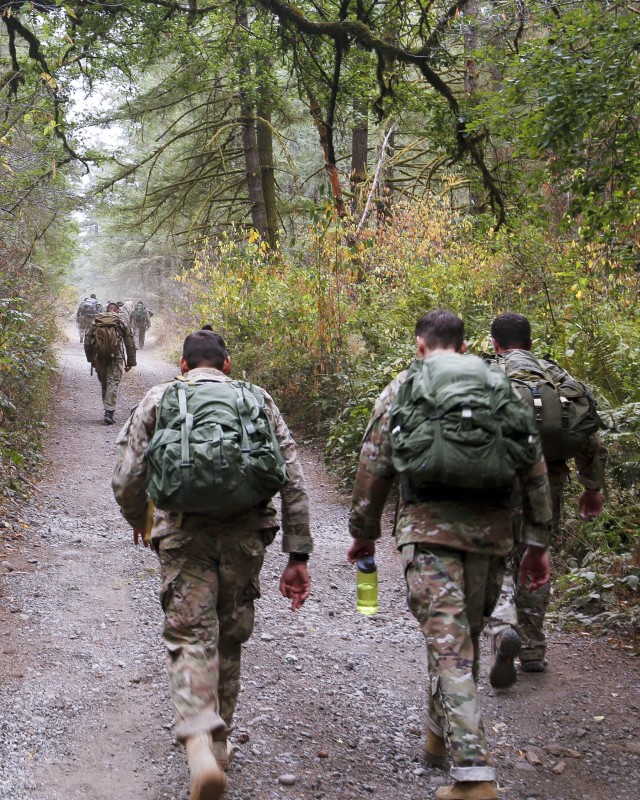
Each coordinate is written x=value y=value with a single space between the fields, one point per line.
x=124 y=311
x=568 y=425
x=454 y=435
x=110 y=349
x=86 y=313
x=211 y=452
x=140 y=322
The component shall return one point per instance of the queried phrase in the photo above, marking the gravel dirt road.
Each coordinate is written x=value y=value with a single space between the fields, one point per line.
x=331 y=703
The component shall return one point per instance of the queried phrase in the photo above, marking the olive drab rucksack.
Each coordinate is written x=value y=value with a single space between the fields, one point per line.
x=457 y=423
x=103 y=341
x=139 y=313
x=214 y=450
x=564 y=409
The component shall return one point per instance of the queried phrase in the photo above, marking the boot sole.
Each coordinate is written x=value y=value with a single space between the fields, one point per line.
x=449 y=793
x=533 y=666
x=503 y=672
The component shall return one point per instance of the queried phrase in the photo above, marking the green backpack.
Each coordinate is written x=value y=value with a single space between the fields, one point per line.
x=457 y=423
x=564 y=409
x=214 y=450
x=139 y=313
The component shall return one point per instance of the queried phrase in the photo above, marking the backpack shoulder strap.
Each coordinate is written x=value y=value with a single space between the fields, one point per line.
x=255 y=391
x=489 y=358
x=243 y=404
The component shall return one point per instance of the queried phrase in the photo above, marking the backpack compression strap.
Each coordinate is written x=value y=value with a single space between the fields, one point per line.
x=187 y=424
x=248 y=428
x=185 y=430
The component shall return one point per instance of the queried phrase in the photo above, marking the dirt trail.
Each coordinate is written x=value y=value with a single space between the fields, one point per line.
x=331 y=699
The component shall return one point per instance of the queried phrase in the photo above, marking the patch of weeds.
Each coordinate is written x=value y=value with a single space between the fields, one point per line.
x=601 y=595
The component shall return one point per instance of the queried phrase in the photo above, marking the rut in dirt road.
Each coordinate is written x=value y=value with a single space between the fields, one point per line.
x=332 y=702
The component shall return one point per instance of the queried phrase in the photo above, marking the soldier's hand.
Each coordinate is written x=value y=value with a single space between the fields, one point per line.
x=590 y=504
x=126 y=369
x=138 y=537
x=360 y=548
x=535 y=569
x=295 y=583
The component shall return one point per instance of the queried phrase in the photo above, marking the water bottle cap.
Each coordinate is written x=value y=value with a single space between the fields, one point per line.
x=367 y=564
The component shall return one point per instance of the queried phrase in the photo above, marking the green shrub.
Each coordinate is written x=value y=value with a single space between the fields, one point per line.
x=26 y=367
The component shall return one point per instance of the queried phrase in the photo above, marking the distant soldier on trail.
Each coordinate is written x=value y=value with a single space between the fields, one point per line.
x=85 y=314
x=124 y=312
x=140 y=322
x=110 y=349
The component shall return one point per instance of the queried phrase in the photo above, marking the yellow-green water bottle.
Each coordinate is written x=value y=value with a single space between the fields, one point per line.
x=367 y=585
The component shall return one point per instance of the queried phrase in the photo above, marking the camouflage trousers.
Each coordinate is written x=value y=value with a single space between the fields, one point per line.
x=83 y=326
x=209 y=583
x=520 y=608
x=450 y=592
x=110 y=376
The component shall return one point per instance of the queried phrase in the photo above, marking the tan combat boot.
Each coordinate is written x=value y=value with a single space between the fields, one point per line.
x=207 y=779
x=435 y=750
x=223 y=752
x=468 y=790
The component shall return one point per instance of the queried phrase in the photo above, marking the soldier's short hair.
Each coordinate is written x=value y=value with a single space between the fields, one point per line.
x=512 y=331
x=441 y=328
x=204 y=349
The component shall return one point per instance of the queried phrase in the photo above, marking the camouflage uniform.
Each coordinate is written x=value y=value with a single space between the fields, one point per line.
x=110 y=373
x=83 y=323
x=523 y=609
x=140 y=325
x=210 y=570
x=454 y=556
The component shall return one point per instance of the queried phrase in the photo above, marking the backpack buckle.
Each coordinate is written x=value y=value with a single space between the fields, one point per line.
x=564 y=402
x=537 y=403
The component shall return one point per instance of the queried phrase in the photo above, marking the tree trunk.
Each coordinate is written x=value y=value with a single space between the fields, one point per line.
x=329 y=163
x=359 y=155
x=249 y=139
x=471 y=39
x=385 y=197
x=264 y=137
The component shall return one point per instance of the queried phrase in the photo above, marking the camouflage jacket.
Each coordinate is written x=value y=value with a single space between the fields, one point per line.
x=129 y=478
x=469 y=526
x=591 y=463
